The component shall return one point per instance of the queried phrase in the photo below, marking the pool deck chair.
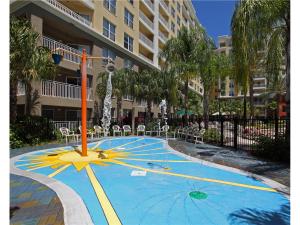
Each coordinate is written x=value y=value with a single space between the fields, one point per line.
x=126 y=130
x=98 y=131
x=116 y=130
x=140 y=129
x=65 y=132
x=199 y=135
x=89 y=133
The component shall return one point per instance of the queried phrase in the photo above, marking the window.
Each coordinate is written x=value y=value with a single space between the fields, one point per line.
x=128 y=42
x=109 y=54
x=222 y=44
x=128 y=64
x=178 y=20
x=110 y=5
x=109 y=29
x=128 y=97
x=173 y=27
x=128 y=18
x=231 y=93
x=173 y=12
x=131 y=2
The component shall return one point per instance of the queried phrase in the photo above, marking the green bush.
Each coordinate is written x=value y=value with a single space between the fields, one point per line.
x=269 y=148
x=14 y=140
x=212 y=135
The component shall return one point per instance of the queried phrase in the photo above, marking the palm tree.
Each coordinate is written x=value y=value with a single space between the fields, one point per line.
x=148 y=86
x=262 y=26
x=27 y=61
x=178 y=53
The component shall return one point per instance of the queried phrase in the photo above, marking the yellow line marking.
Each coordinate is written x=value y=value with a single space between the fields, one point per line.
x=28 y=164
x=148 y=150
x=161 y=153
x=198 y=178
x=125 y=144
x=109 y=212
x=156 y=160
x=143 y=145
x=59 y=170
x=35 y=168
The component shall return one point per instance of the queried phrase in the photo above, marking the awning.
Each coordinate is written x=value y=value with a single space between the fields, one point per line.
x=182 y=112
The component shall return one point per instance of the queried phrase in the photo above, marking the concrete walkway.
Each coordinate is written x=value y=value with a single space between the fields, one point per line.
x=237 y=159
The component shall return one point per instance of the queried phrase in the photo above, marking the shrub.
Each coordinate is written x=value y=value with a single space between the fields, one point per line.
x=269 y=148
x=212 y=135
x=14 y=140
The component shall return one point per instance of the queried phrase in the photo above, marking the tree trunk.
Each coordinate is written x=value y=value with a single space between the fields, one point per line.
x=287 y=97
x=186 y=100
x=148 y=114
x=205 y=107
x=245 y=109
x=119 y=106
x=28 y=103
x=13 y=89
x=251 y=99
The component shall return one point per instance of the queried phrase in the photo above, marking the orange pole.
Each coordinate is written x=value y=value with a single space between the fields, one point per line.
x=83 y=104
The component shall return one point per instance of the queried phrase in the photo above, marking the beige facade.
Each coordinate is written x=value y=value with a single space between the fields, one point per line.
x=130 y=32
x=229 y=89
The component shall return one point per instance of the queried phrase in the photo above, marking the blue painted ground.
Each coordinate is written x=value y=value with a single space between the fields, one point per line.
x=160 y=199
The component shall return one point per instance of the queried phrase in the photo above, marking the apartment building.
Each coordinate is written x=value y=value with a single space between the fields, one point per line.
x=131 y=32
x=229 y=89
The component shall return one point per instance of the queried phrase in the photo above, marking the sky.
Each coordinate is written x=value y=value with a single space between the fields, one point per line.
x=215 y=16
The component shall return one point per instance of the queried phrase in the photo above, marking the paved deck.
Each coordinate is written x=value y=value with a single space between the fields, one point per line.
x=33 y=203
x=237 y=159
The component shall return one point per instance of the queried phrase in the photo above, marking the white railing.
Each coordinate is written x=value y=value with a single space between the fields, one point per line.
x=149 y=3
x=162 y=36
x=63 y=90
x=142 y=103
x=146 y=40
x=145 y=19
x=53 y=45
x=71 y=125
x=69 y=12
x=164 y=5
x=21 y=89
x=164 y=21
x=146 y=58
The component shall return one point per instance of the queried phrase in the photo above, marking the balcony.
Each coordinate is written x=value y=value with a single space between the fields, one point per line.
x=146 y=41
x=60 y=7
x=162 y=36
x=63 y=90
x=164 y=22
x=146 y=58
x=146 y=20
x=164 y=6
x=149 y=4
x=52 y=45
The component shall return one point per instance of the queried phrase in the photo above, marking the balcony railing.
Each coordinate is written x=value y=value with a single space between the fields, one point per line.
x=146 y=40
x=69 y=12
x=21 y=89
x=149 y=3
x=164 y=21
x=164 y=5
x=146 y=58
x=63 y=90
x=71 y=125
x=162 y=36
x=53 y=45
x=146 y=20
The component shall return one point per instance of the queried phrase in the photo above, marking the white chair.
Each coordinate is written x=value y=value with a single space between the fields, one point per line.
x=89 y=133
x=98 y=130
x=126 y=130
x=140 y=129
x=116 y=130
x=65 y=132
x=200 y=135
